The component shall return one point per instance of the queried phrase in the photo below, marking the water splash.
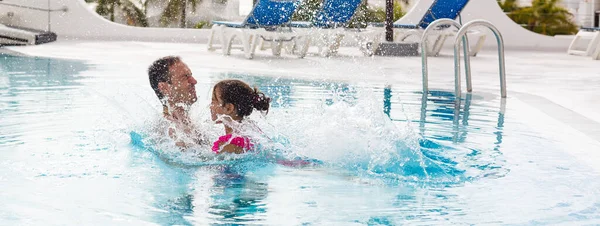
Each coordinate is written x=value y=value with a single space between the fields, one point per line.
x=347 y=130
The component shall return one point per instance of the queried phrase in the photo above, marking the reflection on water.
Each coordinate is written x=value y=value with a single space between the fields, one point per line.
x=442 y=117
x=233 y=198
x=237 y=198
x=26 y=72
x=387 y=100
x=447 y=108
x=230 y=193
x=34 y=89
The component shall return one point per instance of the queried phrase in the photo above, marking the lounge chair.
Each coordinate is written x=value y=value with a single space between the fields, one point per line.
x=590 y=34
x=10 y=35
x=596 y=54
x=330 y=25
x=424 y=13
x=266 y=20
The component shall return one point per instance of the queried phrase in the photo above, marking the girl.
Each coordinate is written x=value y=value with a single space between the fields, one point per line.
x=232 y=101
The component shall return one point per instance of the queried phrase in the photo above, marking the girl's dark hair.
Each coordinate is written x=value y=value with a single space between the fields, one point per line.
x=242 y=96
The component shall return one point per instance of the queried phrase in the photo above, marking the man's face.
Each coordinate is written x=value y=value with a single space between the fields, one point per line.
x=182 y=88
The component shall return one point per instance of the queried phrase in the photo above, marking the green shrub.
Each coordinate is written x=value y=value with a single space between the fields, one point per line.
x=201 y=24
x=543 y=16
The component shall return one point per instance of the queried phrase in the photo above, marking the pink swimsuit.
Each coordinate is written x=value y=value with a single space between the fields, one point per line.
x=242 y=142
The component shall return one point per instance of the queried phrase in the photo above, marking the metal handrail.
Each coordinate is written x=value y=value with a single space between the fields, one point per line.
x=462 y=33
x=424 y=49
x=63 y=9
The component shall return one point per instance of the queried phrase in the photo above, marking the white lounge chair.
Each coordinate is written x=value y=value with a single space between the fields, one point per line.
x=586 y=34
x=23 y=36
x=266 y=21
x=596 y=54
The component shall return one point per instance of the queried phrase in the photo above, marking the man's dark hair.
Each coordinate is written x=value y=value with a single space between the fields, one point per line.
x=159 y=72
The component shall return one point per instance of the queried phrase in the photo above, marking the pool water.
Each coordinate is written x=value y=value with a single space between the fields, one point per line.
x=385 y=155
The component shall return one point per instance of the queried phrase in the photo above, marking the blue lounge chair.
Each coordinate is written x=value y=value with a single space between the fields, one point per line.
x=592 y=48
x=329 y=26
x=332 y=14
x=265 y=20
x=327 y=29
x=424 y=13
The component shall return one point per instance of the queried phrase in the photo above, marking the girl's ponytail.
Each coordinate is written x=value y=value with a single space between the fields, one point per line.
x=261 y=102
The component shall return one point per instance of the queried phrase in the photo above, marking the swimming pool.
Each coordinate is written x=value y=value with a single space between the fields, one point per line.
x=389 y=156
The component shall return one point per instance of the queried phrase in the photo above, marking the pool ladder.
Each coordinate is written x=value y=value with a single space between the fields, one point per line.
x=461 y=36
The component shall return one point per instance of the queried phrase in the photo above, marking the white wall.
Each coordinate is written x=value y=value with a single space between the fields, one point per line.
x=207 y=10
x=26 y=18
x=593 y=8
x=585 y=13
x=515 y=36
x=80 y=22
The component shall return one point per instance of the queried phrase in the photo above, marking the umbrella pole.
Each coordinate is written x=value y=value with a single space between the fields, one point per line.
x=389 y=17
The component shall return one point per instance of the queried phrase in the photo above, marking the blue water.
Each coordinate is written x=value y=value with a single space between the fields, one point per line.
x=383 y=155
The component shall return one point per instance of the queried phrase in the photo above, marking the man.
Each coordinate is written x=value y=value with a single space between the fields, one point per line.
x=174 y=85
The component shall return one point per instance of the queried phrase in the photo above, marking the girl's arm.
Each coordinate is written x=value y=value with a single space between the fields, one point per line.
x=231 y=148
